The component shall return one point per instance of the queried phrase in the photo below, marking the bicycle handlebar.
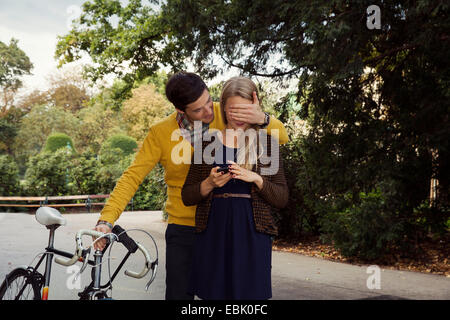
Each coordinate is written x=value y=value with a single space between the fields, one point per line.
x=129 y=243
x=79 y=247
x=146 y=267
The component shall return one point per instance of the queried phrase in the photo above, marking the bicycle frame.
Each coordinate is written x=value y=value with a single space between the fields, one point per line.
x=93 y=290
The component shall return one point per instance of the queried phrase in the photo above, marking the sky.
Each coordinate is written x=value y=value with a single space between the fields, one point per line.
x=36 y=24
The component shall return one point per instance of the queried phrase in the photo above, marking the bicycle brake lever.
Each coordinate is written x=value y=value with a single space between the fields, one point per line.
x=154 y=267
x=85 y=263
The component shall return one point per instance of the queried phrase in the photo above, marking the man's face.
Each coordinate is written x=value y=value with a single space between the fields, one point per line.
x=201 y=109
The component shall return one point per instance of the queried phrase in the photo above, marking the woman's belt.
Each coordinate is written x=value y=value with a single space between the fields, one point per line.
x=232 y=195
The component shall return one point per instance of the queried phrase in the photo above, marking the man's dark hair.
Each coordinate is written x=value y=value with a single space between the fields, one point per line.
x=184 y=88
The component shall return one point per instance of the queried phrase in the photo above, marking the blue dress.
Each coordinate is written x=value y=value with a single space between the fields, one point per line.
x=231 y=260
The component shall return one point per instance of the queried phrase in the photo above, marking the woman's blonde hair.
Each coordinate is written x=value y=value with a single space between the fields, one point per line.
x=244 y=88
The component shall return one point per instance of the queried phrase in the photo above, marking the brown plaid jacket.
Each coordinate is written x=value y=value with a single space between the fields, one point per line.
x=272 y=196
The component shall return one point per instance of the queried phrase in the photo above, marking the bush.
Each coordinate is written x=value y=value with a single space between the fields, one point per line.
x=112 y=163
x=152 y=193
x=84 y=174
x=367 y=230
x=297 y=218
x=63 y=173
x=127 y=144
x=9 y=176
x=57 y=141
x=48 y=173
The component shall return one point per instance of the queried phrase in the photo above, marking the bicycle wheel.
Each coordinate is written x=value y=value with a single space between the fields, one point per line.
x=18 y=285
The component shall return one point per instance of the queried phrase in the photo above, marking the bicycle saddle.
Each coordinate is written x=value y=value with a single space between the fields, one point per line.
x=48 y=216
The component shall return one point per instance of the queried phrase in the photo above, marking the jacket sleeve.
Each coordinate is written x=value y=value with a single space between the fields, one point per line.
x=277 y=129
x=126 y=187
x=190 y=193
x=275 y=190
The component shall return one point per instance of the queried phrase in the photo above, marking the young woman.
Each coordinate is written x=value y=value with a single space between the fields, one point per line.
x=233 y=248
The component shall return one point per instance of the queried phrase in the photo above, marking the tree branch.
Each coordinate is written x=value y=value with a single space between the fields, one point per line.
x=269 y=75
x=392 y=51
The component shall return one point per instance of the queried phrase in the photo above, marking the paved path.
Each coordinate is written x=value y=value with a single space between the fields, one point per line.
x=294 y=276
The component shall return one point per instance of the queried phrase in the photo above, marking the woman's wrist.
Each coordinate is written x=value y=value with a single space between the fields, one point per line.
x=206 y=187
x=258 y=181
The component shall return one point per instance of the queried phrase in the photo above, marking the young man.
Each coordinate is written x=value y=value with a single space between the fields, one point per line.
x=164 y=144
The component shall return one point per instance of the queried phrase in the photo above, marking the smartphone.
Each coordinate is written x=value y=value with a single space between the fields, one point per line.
x=223 y=169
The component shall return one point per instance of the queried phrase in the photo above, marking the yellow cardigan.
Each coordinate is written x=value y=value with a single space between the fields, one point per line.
x=164 y=144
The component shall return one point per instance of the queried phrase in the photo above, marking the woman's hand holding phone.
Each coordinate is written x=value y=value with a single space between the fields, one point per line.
x=214 y=180
x=218 y=179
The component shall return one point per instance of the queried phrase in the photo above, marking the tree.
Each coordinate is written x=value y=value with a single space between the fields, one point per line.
x=97 y=123
x=130 y=49
x=143 y=109
x=7 y=135
x=158 y=79
x=37 y=125
x=9 y=176
x=376 y=102
x=31 y=99
x=14 y=63
x=66 y=89
x=9 y=124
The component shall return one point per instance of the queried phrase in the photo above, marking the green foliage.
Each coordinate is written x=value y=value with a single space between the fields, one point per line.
x=9 y=176
x=158 y=79
x=143 y=109
x=136 y=39
x=297 y=218
x=125 y=143
x=152 y=193
x=215 y=91
x=8 y=132
x=366 y=229
x=57 y=141
x=113 y=163
x=83 y=174
x=48 y=173
x=37 y=125
x=97 y=123
x=14 y=64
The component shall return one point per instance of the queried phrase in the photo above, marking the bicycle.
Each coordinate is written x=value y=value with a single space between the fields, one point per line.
x=26 y=283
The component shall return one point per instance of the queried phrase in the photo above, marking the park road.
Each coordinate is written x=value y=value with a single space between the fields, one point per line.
x=294 y=276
